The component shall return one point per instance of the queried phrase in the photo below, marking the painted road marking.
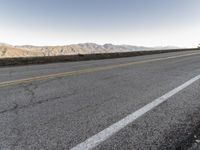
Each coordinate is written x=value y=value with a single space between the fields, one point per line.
x=88 y=70
x=97 y=139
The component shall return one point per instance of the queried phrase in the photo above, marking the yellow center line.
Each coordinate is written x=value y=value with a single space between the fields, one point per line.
x=88 y=70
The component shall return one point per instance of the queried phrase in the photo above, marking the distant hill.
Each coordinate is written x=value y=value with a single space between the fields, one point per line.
x=5 y=44
x=7 y=50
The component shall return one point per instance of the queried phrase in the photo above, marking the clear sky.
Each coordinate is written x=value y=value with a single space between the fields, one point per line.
x=135 y=22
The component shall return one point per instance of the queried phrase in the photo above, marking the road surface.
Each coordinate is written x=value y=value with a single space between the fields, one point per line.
x=144 y=102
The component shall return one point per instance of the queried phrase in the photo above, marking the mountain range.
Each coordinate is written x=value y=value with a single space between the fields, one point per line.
x=7 y=50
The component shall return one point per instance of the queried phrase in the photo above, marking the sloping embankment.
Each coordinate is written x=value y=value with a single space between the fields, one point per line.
x=67 y=58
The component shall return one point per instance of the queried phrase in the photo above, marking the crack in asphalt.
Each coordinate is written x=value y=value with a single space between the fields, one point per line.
x=16 y=130
x=17 y=107
x=30 y=89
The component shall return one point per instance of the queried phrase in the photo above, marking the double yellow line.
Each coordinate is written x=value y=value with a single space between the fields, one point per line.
x=88 y=70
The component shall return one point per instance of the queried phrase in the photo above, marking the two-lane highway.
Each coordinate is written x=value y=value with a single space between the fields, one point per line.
x=144 y=102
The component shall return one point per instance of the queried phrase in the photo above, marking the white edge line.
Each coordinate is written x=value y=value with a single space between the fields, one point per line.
x=95 y=140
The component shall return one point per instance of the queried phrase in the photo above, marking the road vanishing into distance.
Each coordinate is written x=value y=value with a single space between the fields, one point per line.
x=145 y=102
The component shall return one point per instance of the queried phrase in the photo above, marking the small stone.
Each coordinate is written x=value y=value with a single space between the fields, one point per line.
x=198 y=141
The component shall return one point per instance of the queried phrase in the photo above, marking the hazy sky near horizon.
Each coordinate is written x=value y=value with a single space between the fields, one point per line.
x=135 y=22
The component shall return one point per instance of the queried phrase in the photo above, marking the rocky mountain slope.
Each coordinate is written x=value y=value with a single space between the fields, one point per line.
x=7 y=50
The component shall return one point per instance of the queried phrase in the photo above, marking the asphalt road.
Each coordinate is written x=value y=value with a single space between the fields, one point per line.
x=58 y=106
